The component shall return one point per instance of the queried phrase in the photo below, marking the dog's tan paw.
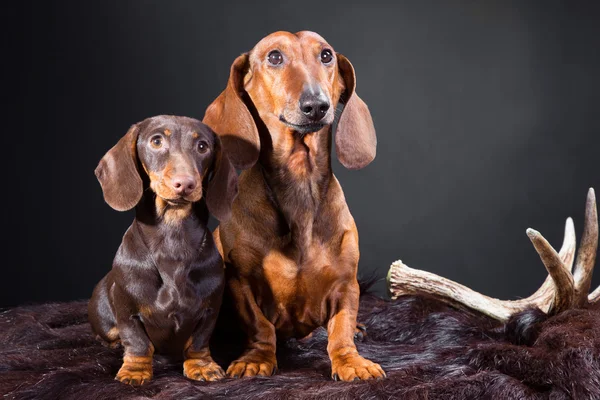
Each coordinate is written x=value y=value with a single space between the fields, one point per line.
x=202 y=370
x=354 y=367
x=253 y=365
x=135 y=372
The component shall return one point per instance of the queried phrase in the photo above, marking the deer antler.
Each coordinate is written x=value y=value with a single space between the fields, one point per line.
x=560 y=291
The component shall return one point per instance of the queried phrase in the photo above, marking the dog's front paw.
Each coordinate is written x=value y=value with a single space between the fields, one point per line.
x=353 y=367
x=253 y=364
x=135 y=371
x=202 y=370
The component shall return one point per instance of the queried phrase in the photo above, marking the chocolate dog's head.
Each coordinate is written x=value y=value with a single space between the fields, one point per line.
x=294 y=81
x=177 y=155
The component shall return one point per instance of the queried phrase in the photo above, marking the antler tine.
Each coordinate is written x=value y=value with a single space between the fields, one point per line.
x=563 y=280
x=567 y=250
x=543 y=296
x=586 y=256
x=594 y=296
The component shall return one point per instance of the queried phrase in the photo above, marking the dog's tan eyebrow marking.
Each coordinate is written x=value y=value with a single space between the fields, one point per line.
x=167 y=132
x=195 y=135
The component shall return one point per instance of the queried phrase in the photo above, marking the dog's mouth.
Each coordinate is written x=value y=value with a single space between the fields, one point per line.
x=179 y=201
x=304 y=128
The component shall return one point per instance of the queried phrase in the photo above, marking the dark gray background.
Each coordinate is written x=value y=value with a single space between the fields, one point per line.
x=487 y=114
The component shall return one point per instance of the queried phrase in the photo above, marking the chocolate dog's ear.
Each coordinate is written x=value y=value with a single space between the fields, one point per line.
x=118 y=174
x=223 y=186
x=355 y=140
x=230 y=118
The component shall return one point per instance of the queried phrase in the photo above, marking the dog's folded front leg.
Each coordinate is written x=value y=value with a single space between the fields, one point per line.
x=198 y=364
x=137 y=359
x=346 y=363
x=259 y=358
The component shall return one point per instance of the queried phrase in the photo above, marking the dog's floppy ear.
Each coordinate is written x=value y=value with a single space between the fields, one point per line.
x=118 y=174
x=230 y=118
x=223 y=186
x=355 y=140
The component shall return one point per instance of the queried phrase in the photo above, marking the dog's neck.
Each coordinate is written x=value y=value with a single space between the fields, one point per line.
x=180 y=228
x=297 y=172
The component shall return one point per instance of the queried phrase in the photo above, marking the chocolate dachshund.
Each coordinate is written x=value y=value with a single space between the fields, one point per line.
x=165 y=288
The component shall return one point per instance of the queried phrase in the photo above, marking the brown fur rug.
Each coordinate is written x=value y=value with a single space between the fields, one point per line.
x=429 y=351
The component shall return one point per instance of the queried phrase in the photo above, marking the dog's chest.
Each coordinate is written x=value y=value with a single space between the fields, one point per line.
x=177 y=295
x=300 y=288
x=177 y=291
x=175 y=310
x=178 y=257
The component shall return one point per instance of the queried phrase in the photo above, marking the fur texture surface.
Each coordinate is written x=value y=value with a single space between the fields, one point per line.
x=428 y=349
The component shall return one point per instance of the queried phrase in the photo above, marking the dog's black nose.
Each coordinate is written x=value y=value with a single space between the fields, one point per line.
x=183 y=184
x=314 y=106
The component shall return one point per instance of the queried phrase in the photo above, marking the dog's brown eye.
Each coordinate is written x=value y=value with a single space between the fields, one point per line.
x=202 y=147
x=275 y=57
x=156 y=142
x=326 y=56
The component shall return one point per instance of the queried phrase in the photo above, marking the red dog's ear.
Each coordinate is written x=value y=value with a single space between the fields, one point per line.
x=223 y=186
x=118 y=174
x=355 y=139
x=230 y=118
